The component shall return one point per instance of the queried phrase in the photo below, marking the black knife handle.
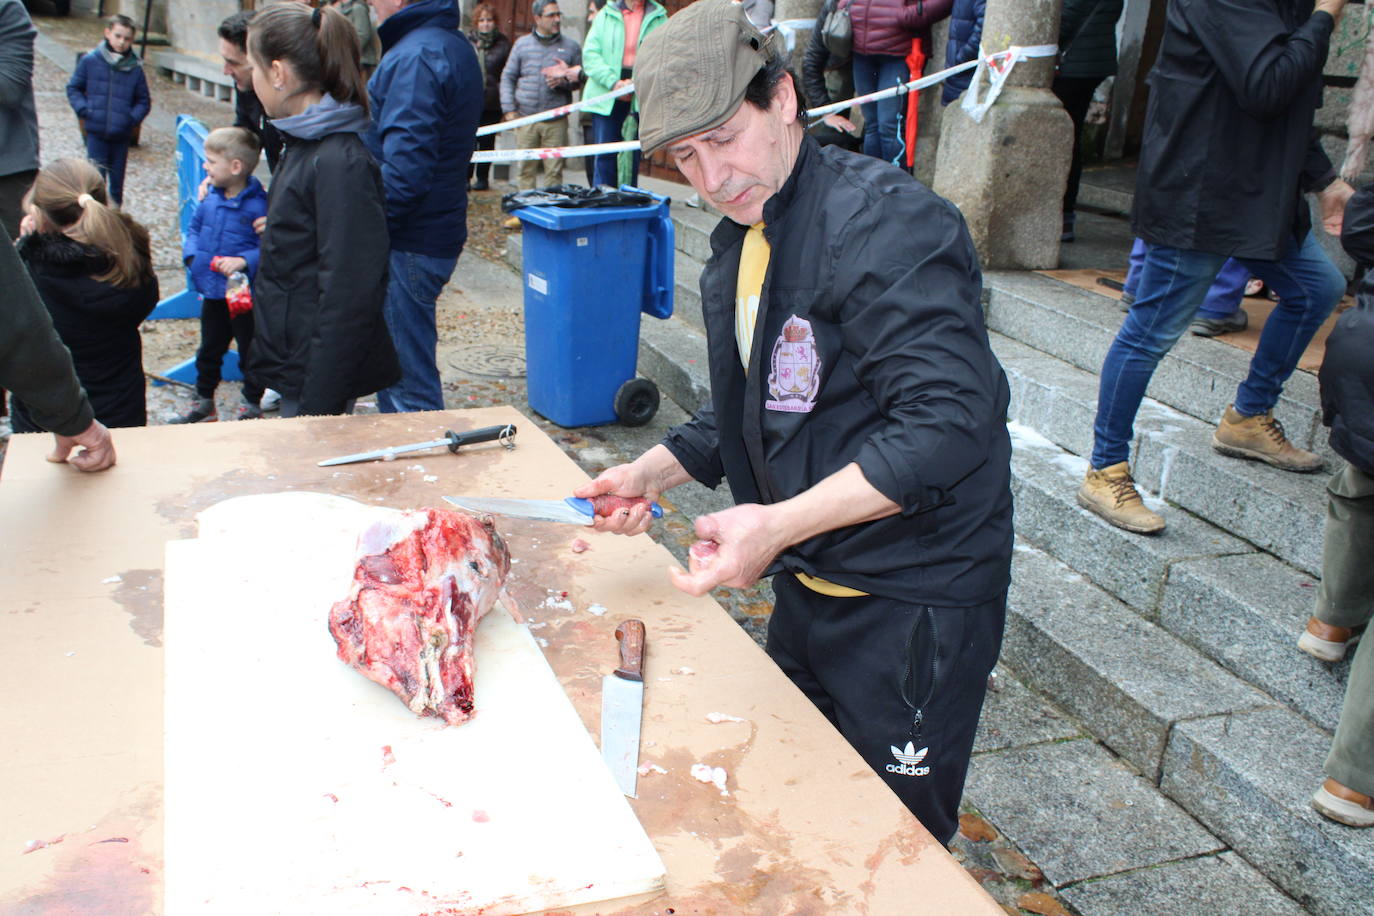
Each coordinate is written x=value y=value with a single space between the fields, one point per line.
x=473 y=436
x=630 y=635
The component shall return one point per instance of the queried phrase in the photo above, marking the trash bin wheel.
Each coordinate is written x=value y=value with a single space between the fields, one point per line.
x=636 y=402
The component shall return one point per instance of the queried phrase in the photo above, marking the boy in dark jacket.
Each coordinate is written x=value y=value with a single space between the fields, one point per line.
x=109 y=93
x=220 y=243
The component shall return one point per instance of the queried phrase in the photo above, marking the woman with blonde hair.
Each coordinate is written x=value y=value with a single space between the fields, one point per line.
x=92 y=266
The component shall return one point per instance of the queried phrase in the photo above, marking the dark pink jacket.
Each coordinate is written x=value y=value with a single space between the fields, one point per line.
x=888 y=26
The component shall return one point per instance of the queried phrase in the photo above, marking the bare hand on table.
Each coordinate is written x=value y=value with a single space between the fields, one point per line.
x=1334 y=7
x=97 y=449
x=1332 y=200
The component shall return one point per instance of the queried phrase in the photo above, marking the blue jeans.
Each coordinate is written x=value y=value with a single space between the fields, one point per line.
x=110 y=156
x=411 y=292
x=882 y=120
x=606 y=129
x=1173 y=283
x=1223 y=296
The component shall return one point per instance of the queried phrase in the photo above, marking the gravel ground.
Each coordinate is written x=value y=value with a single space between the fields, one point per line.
x=481 y=356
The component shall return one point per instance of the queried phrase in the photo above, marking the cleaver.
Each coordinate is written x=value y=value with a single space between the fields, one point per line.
x=622 y=703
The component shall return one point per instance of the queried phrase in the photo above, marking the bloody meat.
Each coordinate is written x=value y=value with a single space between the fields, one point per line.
x=421 y=585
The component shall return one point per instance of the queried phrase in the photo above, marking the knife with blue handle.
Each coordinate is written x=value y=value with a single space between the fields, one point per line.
x=570 y=511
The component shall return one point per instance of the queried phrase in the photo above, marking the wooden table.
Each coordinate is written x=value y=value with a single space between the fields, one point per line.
x=806 y=827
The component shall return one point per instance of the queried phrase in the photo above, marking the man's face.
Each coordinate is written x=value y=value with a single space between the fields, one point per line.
x=550 y=21
x=746 y=160
x=236 y=65
x=385 y=9
x=120 y=37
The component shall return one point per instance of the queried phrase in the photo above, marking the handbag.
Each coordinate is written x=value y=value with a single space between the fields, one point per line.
x=837 y=32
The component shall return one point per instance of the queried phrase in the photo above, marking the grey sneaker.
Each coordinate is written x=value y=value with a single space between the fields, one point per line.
x=1211 y=327
x=248 y=411
x=202 y=412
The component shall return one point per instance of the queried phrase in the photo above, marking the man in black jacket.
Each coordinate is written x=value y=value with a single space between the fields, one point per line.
x=856 y=411
x=1229 y=149
x=233 y=47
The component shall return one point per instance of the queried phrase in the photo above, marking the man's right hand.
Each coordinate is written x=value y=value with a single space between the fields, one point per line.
x=510 y=116
x=649 y=476
x=97 y=449
x=1333 y=7
x=840 y=122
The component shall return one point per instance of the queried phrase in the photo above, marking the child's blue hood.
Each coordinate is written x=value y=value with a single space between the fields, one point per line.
x=323 y=118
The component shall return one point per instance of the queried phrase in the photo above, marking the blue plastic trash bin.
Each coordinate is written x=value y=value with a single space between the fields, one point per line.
x=588 y=274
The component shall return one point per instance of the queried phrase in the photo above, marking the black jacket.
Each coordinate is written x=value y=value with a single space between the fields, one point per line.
x=98 y=322
x=1229 y=145
x=34 y=364
x=248 y=113
x=1087 y=38
x=905 y=382
x=1347 y=373
x=319 y=335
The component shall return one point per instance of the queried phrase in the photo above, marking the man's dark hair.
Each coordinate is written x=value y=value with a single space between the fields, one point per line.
x=764 y=85
x=537 y=7
x=234 y=29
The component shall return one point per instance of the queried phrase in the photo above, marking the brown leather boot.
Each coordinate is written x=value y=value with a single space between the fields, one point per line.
x=1344 y=805
x=1111 y=494
x=1261 y=438
x=1324 y=641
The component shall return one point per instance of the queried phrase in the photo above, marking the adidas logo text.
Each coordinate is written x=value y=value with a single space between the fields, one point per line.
x=909 y=760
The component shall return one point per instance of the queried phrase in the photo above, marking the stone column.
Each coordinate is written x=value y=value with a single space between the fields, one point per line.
x=1007 y=174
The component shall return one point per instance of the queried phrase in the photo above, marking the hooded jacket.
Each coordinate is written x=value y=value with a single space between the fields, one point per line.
x=1229 y=145
x=110 y=92
x=1347 y=373
x=887 y=27
x=426 y=101
x=319 y=335
x=873 y=288
x=97 y=321
x=223 y=226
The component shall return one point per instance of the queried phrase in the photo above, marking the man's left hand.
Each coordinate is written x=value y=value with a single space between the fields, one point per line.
x=1332 y=200
x=734 y=548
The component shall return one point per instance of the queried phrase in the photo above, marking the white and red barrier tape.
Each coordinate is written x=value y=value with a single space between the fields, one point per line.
x=997 y=65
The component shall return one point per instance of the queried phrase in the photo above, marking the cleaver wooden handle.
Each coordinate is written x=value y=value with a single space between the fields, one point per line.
x=630 y=635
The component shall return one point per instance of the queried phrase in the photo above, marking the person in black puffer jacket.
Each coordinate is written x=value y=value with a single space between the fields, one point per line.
x=1087 y=56
x=319 y=334
x=1345 y=601
x=93 y=270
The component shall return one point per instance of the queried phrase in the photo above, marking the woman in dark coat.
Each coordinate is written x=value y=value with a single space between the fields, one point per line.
x=93 y=269
x=492 y=50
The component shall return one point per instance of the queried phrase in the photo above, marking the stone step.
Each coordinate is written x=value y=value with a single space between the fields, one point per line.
x=687 y=290
x=1280 y=512
x=1248 y=778
x=672 y=353
x=195 y=73
x=1229 y=755
x=1198 y=376
x=1245 y=613
x=1126 y=679
x=1240 y=607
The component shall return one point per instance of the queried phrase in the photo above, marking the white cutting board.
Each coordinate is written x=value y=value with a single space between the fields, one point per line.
x=511 y=812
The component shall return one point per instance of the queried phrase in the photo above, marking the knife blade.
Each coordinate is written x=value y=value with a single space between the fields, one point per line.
x=453 y=440
x=622 y=706
x=570 y=511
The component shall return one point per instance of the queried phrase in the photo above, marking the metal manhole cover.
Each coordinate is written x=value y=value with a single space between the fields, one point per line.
x=490 y=361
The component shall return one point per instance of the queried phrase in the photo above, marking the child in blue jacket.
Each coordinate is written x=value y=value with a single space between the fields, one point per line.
x=220 y=243
x=109 y=93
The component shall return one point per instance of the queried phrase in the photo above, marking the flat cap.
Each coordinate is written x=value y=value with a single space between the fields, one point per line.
x=691 y=73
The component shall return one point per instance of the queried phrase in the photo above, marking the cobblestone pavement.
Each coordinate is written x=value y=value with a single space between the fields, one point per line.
x=481 y=356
